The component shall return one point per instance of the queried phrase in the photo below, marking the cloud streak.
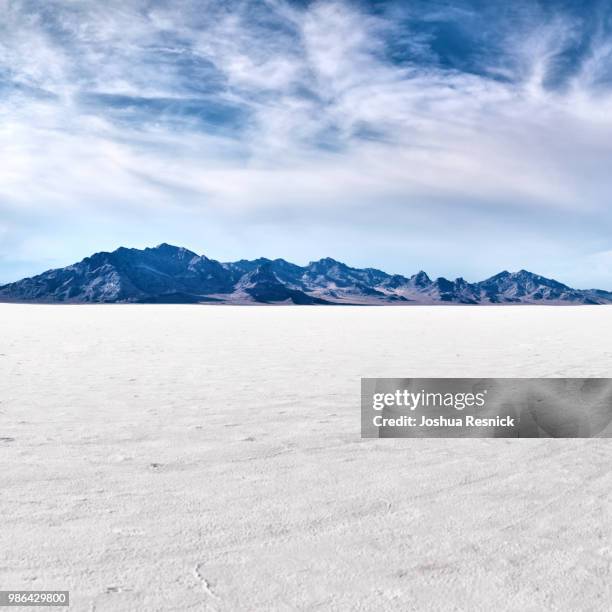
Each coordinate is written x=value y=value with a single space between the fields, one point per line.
x=461 y=140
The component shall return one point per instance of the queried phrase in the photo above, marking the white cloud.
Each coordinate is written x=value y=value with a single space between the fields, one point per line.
x=330 y=133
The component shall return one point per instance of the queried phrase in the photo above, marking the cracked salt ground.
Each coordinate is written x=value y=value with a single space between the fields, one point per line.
x=153 y=503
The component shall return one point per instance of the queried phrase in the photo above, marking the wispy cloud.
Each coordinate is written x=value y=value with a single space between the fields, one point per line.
x=456 y=138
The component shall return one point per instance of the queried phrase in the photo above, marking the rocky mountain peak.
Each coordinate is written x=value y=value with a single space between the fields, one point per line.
x=168 y=273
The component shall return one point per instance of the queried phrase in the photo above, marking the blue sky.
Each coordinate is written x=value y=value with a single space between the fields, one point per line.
x=459 y=137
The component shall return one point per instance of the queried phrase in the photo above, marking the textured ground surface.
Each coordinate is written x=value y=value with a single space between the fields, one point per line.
x=209 y=458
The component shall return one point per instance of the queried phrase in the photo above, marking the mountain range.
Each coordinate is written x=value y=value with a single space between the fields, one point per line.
x=170 y=274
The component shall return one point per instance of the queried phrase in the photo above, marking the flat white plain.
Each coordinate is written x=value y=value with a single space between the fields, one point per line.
x=209 y=458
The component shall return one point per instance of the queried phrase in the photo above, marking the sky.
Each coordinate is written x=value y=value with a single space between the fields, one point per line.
x=462 y=137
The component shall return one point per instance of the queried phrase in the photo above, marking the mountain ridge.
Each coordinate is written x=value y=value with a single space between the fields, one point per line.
x=171 y=274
